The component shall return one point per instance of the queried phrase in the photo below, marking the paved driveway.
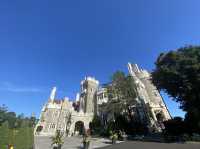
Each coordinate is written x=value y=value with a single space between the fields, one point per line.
x=152 y=145
x=70 y=143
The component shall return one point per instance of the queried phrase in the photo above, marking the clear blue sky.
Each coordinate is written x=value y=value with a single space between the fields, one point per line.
x=50 y=43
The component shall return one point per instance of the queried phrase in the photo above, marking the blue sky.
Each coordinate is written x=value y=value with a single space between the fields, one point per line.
x=56 y=43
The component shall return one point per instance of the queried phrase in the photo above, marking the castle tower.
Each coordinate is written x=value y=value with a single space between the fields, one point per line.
x=89 y=88
x=156 y=109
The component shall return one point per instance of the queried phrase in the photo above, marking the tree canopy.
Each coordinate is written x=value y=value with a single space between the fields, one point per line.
x=121 y=93
x=13 y=120
x=178 y=74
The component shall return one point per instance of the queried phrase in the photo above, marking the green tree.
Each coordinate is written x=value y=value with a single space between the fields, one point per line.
x=8 y=116
x=175 y=127
x=95 y=125
x=178 y=74
x=3 y=111
x=121 y=94
x=32 y=121
x=11 y=118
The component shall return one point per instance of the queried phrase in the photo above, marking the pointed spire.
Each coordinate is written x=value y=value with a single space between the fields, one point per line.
x=133 y=68
x=53 y=94
x=130 y=69
x=77 y=97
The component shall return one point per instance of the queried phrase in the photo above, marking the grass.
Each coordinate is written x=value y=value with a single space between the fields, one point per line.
x=21 y=138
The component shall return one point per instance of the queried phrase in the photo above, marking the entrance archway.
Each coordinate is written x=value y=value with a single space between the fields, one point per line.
x=79 y=128
x=159 y=117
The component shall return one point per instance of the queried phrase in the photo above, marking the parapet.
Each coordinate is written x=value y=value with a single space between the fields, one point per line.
x=133 y=67
x=134 y=70
x=88 y=78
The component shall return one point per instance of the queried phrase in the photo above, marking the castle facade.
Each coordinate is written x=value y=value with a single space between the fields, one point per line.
x=68 y=116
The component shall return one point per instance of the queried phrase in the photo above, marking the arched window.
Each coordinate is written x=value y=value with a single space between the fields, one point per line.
x=160 y=117
x=79 y=127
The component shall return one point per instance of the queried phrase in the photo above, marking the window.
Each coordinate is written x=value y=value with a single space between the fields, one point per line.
x=52 y=126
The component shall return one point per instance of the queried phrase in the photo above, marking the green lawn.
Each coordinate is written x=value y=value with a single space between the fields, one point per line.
x=21 y=138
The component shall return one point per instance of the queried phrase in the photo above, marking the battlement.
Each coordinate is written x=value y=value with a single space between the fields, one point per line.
x=134 y=70
x=88 y=78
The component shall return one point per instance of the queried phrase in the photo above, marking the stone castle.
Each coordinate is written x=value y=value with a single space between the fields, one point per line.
x=66 y=115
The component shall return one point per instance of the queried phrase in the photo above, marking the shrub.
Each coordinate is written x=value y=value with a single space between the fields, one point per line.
x=175 y=127
x=195 y=137
x=95 y=125
x=39 y=128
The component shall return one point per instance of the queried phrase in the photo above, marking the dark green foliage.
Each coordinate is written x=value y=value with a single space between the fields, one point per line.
x=95 y=125
x=178 y=74
x=39 y=128
x=195 y=137
x=122 y=124
x=175 y=127
x=11 y=118
x=3 y=111
x=121 y=93
x=32 y=121
x=130 y=126
x=108 y=128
